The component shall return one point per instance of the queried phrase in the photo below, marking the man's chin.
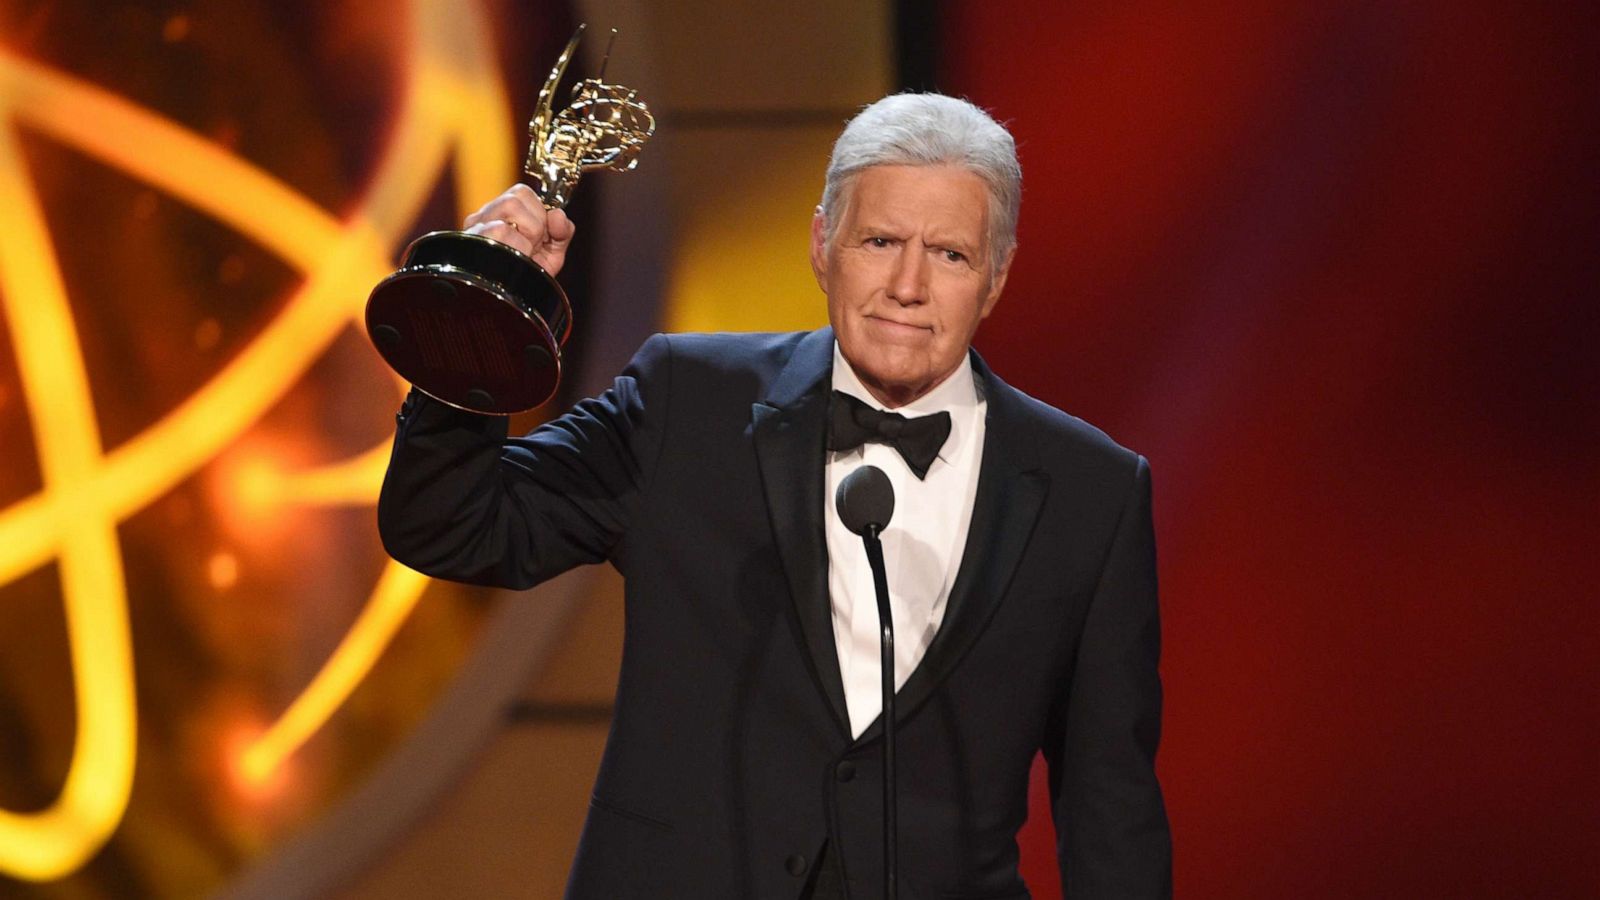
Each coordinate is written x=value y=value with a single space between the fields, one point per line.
x=895 y=384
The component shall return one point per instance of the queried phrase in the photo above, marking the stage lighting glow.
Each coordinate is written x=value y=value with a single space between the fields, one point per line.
x=253 y=785
x=258 y=486
x=453 y=104
x=222 y=570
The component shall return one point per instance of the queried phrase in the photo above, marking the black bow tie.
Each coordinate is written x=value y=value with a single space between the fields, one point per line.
x=852 y=423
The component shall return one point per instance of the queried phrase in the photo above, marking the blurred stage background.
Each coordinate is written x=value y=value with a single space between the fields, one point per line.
x=1331 y=267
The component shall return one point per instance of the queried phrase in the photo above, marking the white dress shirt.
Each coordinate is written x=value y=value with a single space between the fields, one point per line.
x=922 y=546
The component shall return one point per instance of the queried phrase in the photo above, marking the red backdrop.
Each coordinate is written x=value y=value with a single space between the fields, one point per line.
x=1331 y=267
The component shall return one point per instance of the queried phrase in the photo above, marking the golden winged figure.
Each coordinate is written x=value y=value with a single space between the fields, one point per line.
x=604 y=127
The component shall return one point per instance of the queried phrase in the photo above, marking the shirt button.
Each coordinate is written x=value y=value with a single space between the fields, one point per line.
x=796 y=865
x=846 y=771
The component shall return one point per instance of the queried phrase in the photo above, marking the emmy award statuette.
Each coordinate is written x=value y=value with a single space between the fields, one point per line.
x=473 y=322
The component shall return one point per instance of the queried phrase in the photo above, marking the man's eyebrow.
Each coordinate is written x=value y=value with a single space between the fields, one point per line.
x=951 y=242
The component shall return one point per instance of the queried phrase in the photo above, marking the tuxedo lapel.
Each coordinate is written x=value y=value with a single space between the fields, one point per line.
x=790 y=434
x=1011 y=491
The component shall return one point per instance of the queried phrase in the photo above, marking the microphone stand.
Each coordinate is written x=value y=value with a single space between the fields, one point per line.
x=880 y=581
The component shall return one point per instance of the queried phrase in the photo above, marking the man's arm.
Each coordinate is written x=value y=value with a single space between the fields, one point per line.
x=1111 y=824
x=461 y=501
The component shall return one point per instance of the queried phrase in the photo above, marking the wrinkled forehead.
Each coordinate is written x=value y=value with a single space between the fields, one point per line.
x=944 y=199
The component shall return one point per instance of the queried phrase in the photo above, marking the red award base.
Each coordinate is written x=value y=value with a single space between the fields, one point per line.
x=473 y=323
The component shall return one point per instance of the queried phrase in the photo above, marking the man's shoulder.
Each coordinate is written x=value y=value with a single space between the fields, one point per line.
x=724 y=365
x=766 y=349
x=1063 y=438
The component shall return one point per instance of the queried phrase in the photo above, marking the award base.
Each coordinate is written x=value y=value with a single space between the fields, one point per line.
x=472 y=323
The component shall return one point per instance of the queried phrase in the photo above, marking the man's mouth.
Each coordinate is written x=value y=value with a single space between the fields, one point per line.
x=892 y=328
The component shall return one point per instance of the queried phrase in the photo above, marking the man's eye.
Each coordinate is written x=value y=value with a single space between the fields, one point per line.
x=879 y=242
x=955 y=256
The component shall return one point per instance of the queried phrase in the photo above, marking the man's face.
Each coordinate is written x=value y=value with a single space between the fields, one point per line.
x=908 y=275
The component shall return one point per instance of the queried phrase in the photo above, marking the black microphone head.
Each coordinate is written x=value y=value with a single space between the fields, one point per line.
x=865 y=498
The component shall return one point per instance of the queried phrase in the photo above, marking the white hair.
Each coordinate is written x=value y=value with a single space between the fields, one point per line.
x=929 y=130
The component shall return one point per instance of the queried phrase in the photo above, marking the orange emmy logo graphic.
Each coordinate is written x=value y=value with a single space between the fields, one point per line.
x=453 y=105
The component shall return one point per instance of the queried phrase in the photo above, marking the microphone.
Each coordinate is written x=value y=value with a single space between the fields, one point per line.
x=865 y=500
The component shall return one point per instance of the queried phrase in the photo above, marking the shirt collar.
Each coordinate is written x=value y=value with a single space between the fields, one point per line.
x=957 y=394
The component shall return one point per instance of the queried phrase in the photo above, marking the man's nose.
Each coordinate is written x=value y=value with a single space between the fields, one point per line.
x=908 y=281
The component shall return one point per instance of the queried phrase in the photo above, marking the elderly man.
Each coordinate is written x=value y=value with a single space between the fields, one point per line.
x=744 y=757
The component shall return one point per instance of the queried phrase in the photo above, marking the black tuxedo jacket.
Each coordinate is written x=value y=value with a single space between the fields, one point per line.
x=730 y=764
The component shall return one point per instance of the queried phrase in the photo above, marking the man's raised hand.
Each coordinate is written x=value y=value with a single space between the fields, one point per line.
x=518 y=219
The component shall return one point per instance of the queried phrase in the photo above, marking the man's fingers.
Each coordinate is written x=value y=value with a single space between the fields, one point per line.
x=520 y=205
x=512 y=206
x=505 y=231
x=518 y=219
x=559 y=229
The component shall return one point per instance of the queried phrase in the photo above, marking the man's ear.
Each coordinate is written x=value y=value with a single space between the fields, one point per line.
x=998 y=283
x=819 y=248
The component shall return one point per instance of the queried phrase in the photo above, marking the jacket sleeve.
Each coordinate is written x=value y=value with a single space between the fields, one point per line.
x=1111 y=823
x=461 y=501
